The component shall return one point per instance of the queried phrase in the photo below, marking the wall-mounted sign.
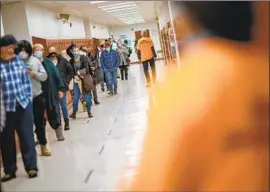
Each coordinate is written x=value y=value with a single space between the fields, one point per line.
x=123 y=37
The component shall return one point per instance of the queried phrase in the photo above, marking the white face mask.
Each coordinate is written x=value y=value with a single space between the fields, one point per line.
x=23 y=55
x=83 y=53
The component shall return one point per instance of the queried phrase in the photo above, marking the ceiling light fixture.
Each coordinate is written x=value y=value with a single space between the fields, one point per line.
x=133 y=20
x=95 y=2
x=125 y=13
x=119 y=7
x=134 y=17
x=121 y=10
x=117 y=4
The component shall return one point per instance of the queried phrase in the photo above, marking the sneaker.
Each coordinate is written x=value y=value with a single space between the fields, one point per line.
x=32 y=173
x=110 y=93
x=59 y=133
x=102 y=89
x=8 y=177
x=45 y=151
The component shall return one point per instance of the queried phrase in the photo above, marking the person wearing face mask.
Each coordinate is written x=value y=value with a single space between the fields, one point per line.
x=123 y=53
x=37 y=75
x=110 y=61
x=93 y=65
x=82 y=80
x=53 y=89
x=66 y=73
x=17 y=100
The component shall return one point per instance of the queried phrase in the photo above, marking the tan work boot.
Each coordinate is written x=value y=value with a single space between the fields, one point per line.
x=45 y=151
x=59 y=133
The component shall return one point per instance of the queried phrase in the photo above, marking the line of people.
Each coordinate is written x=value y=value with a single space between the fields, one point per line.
x=34 y=91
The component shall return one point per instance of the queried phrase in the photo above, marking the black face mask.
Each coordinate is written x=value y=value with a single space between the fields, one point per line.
x=53 y=54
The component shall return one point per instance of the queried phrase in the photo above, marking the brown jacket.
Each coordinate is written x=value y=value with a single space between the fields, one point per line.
x=86 y=81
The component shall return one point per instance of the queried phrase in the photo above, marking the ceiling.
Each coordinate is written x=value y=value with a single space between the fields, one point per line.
x=105 y=12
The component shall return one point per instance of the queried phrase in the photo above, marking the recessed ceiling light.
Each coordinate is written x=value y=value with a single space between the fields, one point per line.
x=119 y=7
x=116 y=4
x=125 y=13
x=133 y=17
x=95 y=2
x=121 y=10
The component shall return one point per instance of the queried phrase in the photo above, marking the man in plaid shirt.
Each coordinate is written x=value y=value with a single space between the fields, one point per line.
x=17 y=100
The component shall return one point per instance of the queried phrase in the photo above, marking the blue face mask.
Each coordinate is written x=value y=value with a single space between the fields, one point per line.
x=38 y=54
x=76 y=54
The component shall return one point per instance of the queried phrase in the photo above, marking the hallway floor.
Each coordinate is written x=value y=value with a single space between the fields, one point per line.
x=98 y=153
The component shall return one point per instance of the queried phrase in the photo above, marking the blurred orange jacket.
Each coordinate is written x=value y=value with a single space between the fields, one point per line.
x=209 y=125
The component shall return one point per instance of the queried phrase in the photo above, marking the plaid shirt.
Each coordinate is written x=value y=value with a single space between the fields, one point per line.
x=16 y=85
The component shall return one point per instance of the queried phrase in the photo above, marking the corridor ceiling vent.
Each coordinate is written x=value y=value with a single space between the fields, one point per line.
x=127 y=12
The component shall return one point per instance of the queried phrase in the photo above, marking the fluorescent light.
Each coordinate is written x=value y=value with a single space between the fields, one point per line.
x=135 y=17
x=134 y=23
x=95 y=2
x=117 y=4
x=119 y=7
x=121 y=10
x=127 y=13
x=133 y=20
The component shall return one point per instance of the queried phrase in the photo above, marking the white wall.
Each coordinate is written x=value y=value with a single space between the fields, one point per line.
x=130 y=34
x=99 y=31
x=43 y=23
x=163 y=14
x=2 y=28
x=15 y=20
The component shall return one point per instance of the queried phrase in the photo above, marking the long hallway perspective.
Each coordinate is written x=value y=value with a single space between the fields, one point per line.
x=96 y=154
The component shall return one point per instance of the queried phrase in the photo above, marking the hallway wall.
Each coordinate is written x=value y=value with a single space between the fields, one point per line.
x=2 y=27
x=99 y=31
x=43 y=23
x=15 y=20
x=130 y=34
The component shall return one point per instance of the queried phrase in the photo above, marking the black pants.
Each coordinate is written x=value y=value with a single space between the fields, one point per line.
x=124 y=72
x=146 y=70
x=39 y=119
x=22 y=121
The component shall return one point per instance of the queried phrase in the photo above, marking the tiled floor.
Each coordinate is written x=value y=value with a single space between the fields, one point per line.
x=96 y=154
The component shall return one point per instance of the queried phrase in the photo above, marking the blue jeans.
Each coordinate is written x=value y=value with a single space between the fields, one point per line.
x=102 y=78
x=111 y=77
x=63 y=103
x=77 y=94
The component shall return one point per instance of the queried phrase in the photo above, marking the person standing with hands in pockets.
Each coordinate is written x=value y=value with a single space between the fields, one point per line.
x=110 y=61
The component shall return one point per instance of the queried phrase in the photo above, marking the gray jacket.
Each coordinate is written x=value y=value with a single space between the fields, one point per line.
x=36 y=66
